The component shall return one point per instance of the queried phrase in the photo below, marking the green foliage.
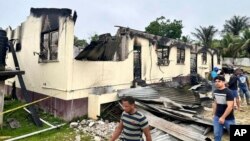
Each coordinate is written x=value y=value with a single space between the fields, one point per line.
x=80 y=43
x=236 y=45
x=164 y=27
x=216 y=44
x=186 y=39
x=236 y=24
x=94 y=37
x=205 y=35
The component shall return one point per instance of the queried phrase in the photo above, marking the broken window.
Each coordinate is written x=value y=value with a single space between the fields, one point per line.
x=218 y=59
x=204 y=58
x=49 y=46
x=180 y=56
x=163 y=55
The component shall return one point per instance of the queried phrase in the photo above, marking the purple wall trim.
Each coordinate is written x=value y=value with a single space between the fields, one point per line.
x=64 y=109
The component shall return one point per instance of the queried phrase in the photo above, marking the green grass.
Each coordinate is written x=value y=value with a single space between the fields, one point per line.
x=63 y=133
x=60 y=134
x=22 y=117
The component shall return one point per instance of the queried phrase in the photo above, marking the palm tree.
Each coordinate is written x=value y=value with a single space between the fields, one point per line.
x=236 y=46
x=186 y=39
x=246 y=43
x=236 y=24
x=231 y=45
x=205 y=35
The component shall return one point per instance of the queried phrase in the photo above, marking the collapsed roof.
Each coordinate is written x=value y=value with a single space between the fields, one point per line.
x=109 y=48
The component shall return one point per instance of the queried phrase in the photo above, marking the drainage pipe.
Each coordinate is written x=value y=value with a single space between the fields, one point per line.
x=40 y=118
x=34 y=133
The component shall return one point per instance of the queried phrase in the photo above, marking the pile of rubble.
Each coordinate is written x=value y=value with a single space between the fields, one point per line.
x=100 y=130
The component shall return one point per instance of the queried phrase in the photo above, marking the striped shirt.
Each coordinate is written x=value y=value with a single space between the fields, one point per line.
x=133 y=126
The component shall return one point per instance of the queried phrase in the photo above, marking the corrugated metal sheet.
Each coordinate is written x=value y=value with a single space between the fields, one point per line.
x=158 y=135
x=139 y=93
x=179 y=95
x=172 y=128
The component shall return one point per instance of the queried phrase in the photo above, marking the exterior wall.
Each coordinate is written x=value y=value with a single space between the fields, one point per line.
x=237 y=61
x=152 y=73
x=45 y=78
x=87 y=76
x=216 y=61
x=204 y=69
x=95 y=101
x=98 y=77
x=65 y=109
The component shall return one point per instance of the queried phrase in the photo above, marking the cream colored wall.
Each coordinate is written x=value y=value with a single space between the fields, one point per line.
x=46 y=78
x=203 y=69
x=152 y=72
x=86 y=75
x=216 y=61
x=95 y=101
x=70 y=79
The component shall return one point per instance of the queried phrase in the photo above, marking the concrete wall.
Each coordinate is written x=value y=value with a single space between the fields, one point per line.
x=50 y=78
x=237 y=61
x=88 y=75
x=204 y=69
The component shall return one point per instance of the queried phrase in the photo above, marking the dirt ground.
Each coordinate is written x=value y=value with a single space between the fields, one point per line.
x=240 y=117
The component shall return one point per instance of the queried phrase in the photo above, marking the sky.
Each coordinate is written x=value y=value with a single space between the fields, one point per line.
x=101 y=16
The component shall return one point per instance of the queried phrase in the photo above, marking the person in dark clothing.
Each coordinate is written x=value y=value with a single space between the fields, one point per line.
x=244 y=85
x=233 y=86
x=222 y=108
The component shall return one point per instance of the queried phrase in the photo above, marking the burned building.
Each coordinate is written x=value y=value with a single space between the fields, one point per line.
x=78 y=85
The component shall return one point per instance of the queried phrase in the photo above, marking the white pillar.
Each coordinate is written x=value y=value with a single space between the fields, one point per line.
x=94 y=107
x=95 y=101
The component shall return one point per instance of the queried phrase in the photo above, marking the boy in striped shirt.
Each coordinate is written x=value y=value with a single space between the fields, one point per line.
x=133 y=123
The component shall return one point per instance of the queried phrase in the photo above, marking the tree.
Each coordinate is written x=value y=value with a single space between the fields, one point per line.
x=164 y=27
x=80 y=43
x=245 y=48
x=94 y=37
x=205 y=35
x=186 y=39
x=236 y=45
x=230 y=43
x=236 y=24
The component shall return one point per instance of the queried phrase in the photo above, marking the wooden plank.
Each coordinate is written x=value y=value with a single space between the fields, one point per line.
x=11 y=72
x=27 y=97
x=172 y=129
x=1 y=102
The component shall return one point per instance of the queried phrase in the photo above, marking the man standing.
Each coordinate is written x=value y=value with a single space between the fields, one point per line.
x=222 y=108
x=233 y=86
x=244 y=85
x=132 y=124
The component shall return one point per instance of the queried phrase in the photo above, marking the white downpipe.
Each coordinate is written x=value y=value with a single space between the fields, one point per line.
x=34 y=133
x=40 y=119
